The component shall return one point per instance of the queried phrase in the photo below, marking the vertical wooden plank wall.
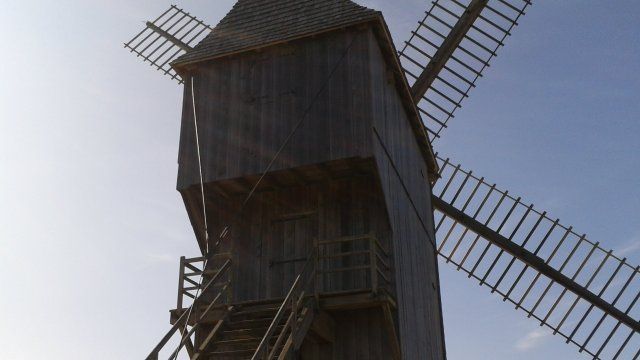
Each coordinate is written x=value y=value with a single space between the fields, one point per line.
x=283 y=224
x=360 y=335
x=407 y=194
x=247 y=105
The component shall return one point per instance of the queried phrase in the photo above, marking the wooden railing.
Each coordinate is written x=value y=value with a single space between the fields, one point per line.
x=303 y=286
x=191 y=269
x=192 y=312
x=362 y=263
x=350 y=263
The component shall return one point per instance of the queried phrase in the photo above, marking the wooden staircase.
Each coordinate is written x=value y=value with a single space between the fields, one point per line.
x=240 y=333
x=294 y=317
x=264 y=330
x=212 y=328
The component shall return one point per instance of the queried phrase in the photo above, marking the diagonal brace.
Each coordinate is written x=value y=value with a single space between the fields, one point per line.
x=532 y=260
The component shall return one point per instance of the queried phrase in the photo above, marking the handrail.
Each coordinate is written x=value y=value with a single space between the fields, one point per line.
x=290 y=323
x=375 y=261
x=294 y=296
x=187 y=336
x=165 y=339
x=264 y=343
x=188 y=270
x=215 y=331
x=182 y=320
x=220 y=272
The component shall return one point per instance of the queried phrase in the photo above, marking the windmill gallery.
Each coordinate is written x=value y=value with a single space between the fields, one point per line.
x=307 y=169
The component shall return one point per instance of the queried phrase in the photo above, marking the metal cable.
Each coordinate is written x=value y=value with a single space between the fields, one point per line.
x=204 y=205
x=206 y=228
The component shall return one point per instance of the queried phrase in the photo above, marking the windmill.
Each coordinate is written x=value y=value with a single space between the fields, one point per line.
x=307 y=171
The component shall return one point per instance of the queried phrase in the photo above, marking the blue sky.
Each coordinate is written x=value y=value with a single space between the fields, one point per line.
x=91 y=227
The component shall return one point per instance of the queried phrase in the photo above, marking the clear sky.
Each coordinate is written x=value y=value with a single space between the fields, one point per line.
x=91 y=227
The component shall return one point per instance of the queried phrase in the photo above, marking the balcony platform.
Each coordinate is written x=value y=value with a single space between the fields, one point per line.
x=330 y=302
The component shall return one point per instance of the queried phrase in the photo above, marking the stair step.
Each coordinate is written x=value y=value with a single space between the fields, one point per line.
x=235 y=338
x=235 y=352
x=252 y=312
x=231 y=354
x=236 y=345
x=244 y=329
x=261 y=302
x=260 y=306
x=244 y=333
x=243 y=340
x=250 y=323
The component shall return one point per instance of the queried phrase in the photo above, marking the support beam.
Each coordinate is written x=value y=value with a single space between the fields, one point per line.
x=188 y=344
x=533 y=261
x=323 y=328
x=168 y=36
x=177 y=326
x=444 y=52
x=391 y=332
x=303 y=325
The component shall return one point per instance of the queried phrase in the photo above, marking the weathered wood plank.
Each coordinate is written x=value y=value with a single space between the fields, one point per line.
x=349 y=182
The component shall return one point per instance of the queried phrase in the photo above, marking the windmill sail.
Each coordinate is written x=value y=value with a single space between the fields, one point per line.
x=451 y=48
x=581 y=291
x=166 y=38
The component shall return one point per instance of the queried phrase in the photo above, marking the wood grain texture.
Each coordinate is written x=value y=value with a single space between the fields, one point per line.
x=246 y=107
x=404 y=181
x=279 y=228
x=360 y=335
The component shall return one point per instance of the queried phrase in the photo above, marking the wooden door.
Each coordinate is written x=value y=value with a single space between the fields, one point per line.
x=289 y=244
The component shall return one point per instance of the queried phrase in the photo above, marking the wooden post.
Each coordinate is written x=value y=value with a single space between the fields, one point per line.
x=391 y=332
x=180 y=283
x=316 y=270
x=372 y=264
x=230 y=282
x=294 y=314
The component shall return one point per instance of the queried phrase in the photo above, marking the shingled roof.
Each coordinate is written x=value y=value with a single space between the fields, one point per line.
x=259 y=23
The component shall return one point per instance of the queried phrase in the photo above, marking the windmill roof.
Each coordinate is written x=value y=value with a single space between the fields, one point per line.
x=259 y=23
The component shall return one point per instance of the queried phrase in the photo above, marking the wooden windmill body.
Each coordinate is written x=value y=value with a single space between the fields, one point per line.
x=351 y=185
x=307 y=172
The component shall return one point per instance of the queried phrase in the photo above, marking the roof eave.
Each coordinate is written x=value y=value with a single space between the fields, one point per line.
x=183 y=66
x=405 y=92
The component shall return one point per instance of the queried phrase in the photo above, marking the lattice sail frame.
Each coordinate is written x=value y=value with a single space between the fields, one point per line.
x=168 y=37
x=469 y=60
x=565 y=313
